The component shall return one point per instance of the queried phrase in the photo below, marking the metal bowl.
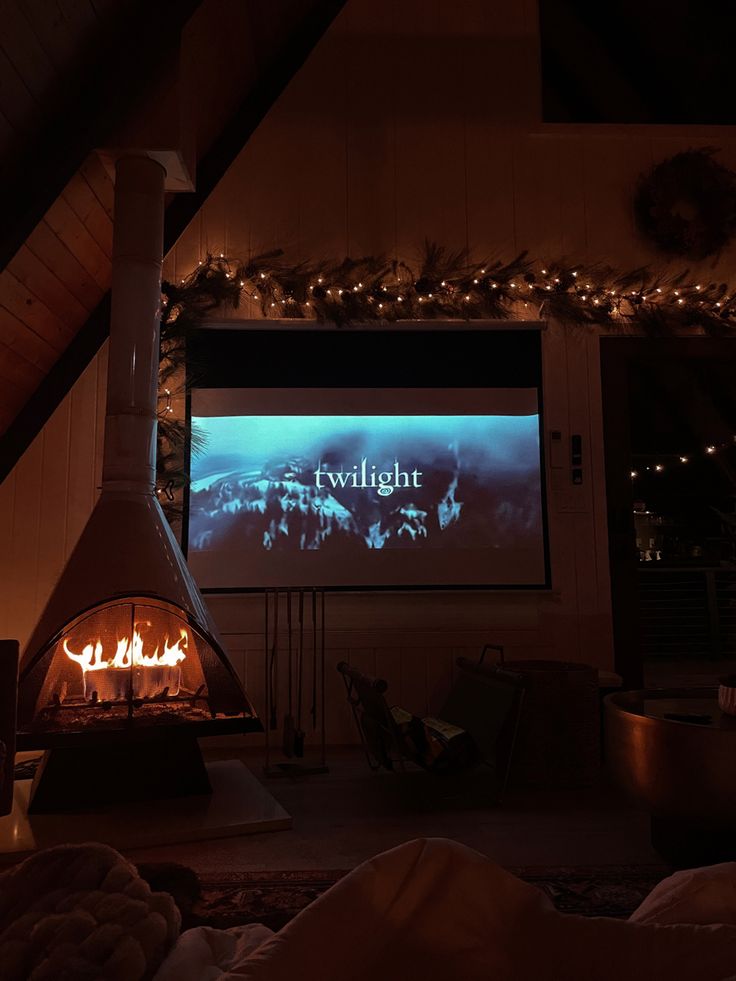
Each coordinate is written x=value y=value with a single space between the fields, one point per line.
x=681 y=769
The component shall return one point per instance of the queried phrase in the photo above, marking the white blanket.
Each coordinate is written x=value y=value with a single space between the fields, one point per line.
x=434 y=909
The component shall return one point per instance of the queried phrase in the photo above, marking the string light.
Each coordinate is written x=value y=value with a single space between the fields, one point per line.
x=710 y=450
x=599 y=302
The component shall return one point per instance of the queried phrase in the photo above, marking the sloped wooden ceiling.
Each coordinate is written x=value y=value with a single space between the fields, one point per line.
x=72 y=72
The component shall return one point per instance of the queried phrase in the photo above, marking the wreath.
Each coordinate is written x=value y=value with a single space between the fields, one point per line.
x=686 y=205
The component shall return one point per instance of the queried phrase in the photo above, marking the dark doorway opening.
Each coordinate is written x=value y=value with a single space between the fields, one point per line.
x=669 y=417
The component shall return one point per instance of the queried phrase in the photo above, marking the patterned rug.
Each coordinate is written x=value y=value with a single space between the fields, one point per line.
x=273 y=898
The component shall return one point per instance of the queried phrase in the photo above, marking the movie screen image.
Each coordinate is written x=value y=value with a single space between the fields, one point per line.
x=366 y=498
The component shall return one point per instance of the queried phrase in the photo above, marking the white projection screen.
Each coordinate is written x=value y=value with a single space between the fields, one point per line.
x=364 y=487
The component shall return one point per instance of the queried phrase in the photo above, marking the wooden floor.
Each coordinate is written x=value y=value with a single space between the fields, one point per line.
x=343 y=817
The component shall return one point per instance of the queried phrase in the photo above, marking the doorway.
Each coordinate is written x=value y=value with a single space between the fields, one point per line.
x=669 y=418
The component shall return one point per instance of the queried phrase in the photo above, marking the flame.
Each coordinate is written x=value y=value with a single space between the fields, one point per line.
x=130 y=655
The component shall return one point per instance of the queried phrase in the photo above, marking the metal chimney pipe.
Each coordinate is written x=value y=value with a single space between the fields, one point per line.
x=129 y=461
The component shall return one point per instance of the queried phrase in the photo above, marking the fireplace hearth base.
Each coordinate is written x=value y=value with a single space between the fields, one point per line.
x=70 y=779
x=239 y=805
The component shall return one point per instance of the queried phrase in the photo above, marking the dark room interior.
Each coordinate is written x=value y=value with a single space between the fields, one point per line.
x=367 y=490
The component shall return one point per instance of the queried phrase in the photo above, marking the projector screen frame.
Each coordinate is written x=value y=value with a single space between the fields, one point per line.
x=221 y=339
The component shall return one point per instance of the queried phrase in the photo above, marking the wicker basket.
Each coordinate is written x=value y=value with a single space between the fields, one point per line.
x=558 y=739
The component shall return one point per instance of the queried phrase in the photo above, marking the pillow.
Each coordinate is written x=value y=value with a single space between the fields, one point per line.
x=699 y=896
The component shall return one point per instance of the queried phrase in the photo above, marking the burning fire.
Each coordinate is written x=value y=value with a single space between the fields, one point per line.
x=130 y=655
x=131 y=671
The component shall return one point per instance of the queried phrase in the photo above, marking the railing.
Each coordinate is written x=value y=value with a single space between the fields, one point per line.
x=687 y=611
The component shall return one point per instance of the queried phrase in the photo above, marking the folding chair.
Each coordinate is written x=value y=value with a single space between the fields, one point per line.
x=486 y=700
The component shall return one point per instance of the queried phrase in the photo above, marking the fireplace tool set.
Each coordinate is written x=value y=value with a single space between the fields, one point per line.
x=294 y=632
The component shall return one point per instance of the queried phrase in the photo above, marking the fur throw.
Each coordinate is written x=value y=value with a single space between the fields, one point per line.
x=82 y=913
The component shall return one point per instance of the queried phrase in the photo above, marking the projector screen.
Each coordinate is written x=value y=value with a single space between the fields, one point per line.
x=366 y=487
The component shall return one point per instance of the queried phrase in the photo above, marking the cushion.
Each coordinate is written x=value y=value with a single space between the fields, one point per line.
x=706 y=895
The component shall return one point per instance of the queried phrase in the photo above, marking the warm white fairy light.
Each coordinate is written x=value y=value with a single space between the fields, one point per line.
x=567 y=281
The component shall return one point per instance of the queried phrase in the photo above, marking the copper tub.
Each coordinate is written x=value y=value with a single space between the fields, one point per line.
x=682 y=770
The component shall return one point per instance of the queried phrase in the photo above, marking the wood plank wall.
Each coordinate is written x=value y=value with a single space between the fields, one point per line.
x=53 y=283
x=47 y=499
x=408 y=120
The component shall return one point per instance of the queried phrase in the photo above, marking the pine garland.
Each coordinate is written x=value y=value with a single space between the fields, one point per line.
x=453 y=286
x=448 y=286
x=184 y=308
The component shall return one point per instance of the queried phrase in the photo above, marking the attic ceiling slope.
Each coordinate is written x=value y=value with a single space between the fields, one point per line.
x=40 y=358
x=63 y=109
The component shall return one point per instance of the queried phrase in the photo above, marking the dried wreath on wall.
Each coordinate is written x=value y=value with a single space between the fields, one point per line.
x=686 y=205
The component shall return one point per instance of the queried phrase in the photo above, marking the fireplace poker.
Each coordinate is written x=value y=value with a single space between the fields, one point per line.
x=289 y=728
x=322 y=693
x=266 y=624
x=313 y=710
x=273 y=666
x=299 y=732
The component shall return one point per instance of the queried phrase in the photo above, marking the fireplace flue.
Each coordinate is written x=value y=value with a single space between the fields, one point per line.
x=125 y=659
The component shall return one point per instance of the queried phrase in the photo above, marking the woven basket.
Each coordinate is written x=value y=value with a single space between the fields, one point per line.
x=558 y=739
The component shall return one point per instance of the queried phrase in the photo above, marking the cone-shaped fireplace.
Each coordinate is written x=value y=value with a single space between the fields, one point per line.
x=125 y=652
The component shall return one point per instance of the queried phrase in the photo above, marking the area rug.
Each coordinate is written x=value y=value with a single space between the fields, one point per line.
x=273 y=898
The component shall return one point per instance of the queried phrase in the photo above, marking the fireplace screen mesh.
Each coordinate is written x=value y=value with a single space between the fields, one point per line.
x=139 y=660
